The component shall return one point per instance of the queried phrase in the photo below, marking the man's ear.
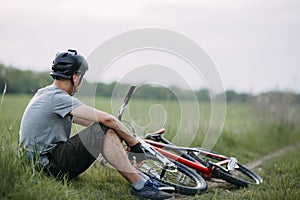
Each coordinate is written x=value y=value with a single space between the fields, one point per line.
x=75 y=78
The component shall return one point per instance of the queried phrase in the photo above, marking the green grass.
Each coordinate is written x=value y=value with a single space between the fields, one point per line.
x=246 y=135
x=20 y=180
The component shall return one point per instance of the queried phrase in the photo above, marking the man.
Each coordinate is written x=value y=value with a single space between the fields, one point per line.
x=46 y=127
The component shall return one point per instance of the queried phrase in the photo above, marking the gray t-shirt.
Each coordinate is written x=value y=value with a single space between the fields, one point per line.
x=46 y=120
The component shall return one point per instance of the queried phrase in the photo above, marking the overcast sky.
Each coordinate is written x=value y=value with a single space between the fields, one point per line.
x=254 y=44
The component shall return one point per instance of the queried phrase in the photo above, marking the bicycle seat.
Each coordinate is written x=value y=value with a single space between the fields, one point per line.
x=160 y=131
x=156 y=135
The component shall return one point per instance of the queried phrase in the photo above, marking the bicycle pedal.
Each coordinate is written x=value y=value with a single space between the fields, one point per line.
x=232 y=164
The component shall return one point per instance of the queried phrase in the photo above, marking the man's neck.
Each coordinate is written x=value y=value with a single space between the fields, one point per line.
x=65 y=85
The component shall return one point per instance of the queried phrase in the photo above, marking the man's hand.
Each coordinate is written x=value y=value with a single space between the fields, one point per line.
x=138 y=152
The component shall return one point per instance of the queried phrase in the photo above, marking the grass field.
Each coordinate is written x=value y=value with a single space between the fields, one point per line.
x=250 y=131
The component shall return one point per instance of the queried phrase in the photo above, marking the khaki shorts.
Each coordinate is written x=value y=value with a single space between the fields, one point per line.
x=74 y=156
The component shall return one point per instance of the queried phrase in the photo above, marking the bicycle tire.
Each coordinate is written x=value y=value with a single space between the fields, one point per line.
x=185 y=181
x=233 y=179
x=241 y=176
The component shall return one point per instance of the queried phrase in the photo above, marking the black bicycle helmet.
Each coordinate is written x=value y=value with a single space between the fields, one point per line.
x=65 y=64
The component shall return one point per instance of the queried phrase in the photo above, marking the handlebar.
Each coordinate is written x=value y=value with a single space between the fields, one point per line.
x=129 y=94
x=126 y=100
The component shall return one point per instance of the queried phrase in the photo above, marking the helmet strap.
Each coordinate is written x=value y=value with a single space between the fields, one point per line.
x=73 y=90
x=75 y=86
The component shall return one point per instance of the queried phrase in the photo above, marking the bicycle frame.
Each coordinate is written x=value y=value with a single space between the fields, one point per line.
x=160 y=143
x=205 y=171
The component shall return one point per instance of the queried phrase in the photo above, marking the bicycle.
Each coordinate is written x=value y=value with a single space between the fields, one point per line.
x=210 y=165
x=165 y=171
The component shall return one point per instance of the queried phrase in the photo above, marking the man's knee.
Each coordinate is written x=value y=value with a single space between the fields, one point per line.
x=110 y=132
x=112 y=135
x=112 y=138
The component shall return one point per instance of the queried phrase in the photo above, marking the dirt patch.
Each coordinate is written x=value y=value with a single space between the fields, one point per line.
x=254 y=164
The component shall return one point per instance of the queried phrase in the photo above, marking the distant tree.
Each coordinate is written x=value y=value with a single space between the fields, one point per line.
x=18 y=81
x=203 y=95
x=232 y=96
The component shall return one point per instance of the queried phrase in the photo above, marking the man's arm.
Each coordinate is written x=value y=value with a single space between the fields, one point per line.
x=87 y=113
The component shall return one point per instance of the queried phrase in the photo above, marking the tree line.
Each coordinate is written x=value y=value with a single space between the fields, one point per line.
x=16 y=81
x=13 y=80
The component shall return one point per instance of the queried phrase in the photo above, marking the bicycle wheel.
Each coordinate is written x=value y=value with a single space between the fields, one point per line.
x=184 y=180
x=241 y=177
x=238 y=174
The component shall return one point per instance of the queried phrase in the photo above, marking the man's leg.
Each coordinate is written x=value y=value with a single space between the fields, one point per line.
x=97 y=138
x=114 y=153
